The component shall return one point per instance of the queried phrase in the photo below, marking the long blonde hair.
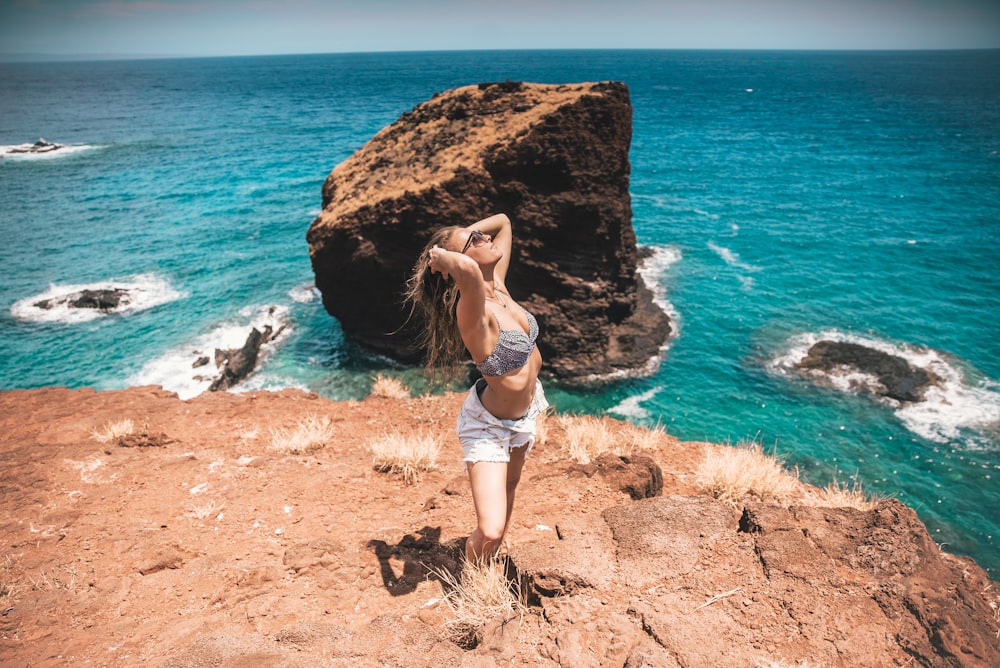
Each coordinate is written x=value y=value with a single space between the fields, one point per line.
x=434 y=298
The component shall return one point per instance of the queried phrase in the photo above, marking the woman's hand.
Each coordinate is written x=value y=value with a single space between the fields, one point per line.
x=453 y=265
x=438 y=260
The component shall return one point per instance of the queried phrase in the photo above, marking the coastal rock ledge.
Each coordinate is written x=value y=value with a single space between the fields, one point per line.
x=211 y=536
x=552 y=157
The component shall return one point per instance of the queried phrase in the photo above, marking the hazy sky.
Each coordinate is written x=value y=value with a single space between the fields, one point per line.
x=123 y=28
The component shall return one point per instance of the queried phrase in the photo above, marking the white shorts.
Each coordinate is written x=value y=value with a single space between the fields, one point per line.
x=487 y=438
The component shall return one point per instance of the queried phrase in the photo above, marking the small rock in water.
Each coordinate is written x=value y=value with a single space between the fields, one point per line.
x=40 y=146
x=898 y=379
x=103 y=300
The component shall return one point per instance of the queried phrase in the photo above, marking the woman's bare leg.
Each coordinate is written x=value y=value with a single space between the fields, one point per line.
x=514 y=469
x=489 y=494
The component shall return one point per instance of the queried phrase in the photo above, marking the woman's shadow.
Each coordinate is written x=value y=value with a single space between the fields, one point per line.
x=418 y=558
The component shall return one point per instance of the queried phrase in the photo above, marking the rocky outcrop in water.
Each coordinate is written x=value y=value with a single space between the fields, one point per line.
x=104 y=300
x=552 y=157
x=236 y=364
x=896 y=378
x=40 y=146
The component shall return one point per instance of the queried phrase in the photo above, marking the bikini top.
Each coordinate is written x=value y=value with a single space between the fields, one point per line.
x=512 y=350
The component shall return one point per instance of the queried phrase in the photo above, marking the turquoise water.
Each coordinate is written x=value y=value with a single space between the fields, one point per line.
x=787 y=196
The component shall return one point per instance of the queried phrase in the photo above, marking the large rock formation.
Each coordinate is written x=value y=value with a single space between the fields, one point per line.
x=555 y=159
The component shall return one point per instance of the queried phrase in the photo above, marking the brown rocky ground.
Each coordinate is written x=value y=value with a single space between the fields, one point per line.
x=214 y=549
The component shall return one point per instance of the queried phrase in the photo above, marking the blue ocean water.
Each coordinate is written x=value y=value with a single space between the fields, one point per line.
x=788 y=196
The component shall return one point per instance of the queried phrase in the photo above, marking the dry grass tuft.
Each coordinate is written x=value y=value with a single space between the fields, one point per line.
x=206 y=510
x=586 y=437
x=112 y=431
x=643 y=438
x=10 y=588
x=483 y=593
x=837 y=495
x=405 y=455
x=731 y=473
x=542 y=423
x=249 y=435
x=52 y=580
x=387 y=387
x=309 y=435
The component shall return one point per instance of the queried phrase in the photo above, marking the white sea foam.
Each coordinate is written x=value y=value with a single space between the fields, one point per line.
x=651 y=269
x=24 y=152
x=305 y=293
x=175 y=370
x=949 y=410
x=733 y=260
x=631 y=407
x=955 y=409
x=141 y=292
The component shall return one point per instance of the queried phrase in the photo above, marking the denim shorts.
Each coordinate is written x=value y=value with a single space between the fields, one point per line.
x=487 y=438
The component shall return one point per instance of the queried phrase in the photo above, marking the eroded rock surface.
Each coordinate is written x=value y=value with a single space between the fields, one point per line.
x=220 y=548
x=552 y=157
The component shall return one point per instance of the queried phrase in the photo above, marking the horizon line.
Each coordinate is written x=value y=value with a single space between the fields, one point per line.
x=13 y=58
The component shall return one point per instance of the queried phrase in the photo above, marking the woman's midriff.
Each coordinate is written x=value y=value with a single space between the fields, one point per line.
x=509 y=397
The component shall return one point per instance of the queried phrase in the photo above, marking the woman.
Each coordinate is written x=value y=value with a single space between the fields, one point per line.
x=458 y=285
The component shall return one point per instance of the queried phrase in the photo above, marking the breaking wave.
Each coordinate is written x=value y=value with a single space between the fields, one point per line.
x=306 y=293
x=631 y=407
x=651 y=269
x=957 y=408
x=134 y=294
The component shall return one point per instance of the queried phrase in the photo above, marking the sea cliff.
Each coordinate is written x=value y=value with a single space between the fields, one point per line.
x=555 y=159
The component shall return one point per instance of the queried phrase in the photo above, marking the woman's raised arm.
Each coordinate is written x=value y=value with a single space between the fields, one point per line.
x=471 y=315
x=499 y=228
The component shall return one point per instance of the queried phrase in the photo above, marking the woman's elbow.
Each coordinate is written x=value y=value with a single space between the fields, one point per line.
x=467 y=269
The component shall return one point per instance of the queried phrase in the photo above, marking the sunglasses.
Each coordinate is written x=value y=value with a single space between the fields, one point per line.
x=476 y=239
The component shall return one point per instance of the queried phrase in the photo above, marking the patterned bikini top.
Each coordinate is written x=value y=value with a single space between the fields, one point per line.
x=512 y=350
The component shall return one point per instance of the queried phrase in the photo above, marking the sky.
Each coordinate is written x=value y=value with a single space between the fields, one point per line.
x=86 y=29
